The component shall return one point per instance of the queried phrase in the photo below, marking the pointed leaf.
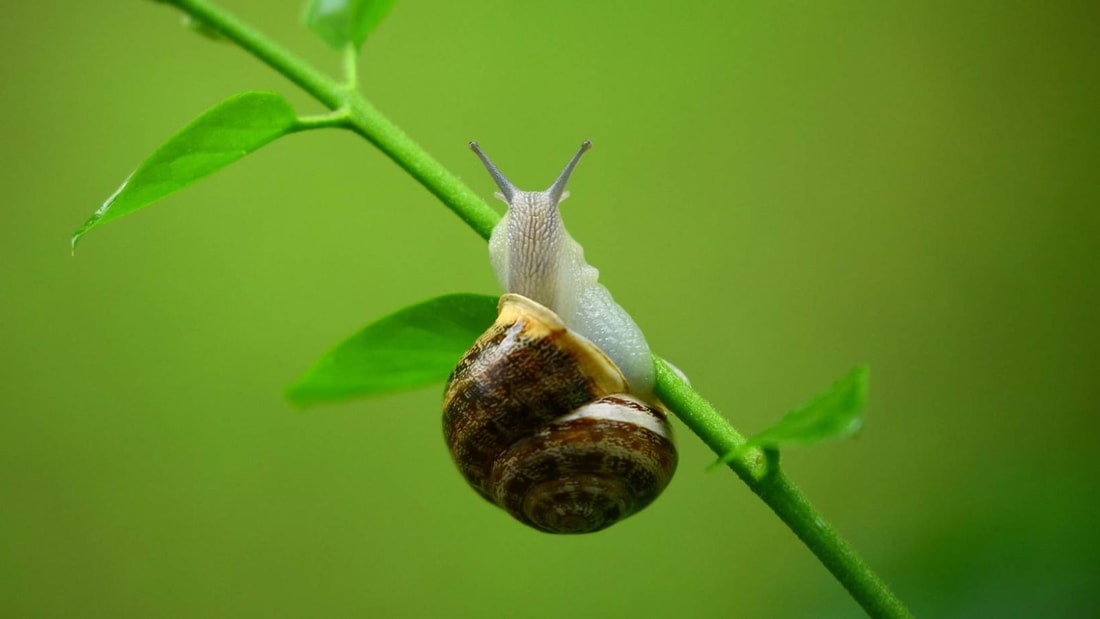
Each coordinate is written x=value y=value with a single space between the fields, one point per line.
x=223 y=134
x=340 y=22
x=414 y=347
x=835 y=413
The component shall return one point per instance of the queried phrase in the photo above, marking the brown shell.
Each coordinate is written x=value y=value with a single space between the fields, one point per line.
x=505 y=421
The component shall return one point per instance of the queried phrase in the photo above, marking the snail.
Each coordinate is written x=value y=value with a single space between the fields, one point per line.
x=551 y=414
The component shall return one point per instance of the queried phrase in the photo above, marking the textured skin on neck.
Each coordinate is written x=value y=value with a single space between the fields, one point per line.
x=534 y=256
x=534 y=233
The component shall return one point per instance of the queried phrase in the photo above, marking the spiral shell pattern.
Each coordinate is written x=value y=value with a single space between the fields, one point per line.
x=541 y=423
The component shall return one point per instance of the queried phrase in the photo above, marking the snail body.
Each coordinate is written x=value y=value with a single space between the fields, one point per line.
x=532 y=254
x=550 y=414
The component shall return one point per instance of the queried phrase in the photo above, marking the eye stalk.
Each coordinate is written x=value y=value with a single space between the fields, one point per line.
x=558 y=188
x=555 y=192
x=506 y=187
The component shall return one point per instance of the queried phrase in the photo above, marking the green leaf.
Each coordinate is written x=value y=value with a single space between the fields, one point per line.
x=340 y=22
x=414 y=347
x=835 y=413
x=223 y=134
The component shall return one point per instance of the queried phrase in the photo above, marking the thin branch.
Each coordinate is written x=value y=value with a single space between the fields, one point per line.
x=267 y=51
x=351 y=68
x=339 y=119
x=366 y=120
x=760 y=470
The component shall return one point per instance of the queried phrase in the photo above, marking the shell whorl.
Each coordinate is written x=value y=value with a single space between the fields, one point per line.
x=541 y=423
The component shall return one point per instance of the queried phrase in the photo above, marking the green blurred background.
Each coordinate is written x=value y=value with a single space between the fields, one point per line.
x=778 y=192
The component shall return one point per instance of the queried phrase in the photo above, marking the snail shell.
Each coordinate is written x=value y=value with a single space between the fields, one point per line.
x=540 y=422
x=551 y=414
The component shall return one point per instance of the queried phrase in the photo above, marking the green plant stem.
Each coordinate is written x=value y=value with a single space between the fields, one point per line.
x=351 y=68
x=365 y=119
x=338 y=119
x=759 y=469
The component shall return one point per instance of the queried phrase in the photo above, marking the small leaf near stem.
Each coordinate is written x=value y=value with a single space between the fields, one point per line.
x=365 y=119
x=346 y=22
x=835 y=413
x=223 y=134
x=413 y=347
